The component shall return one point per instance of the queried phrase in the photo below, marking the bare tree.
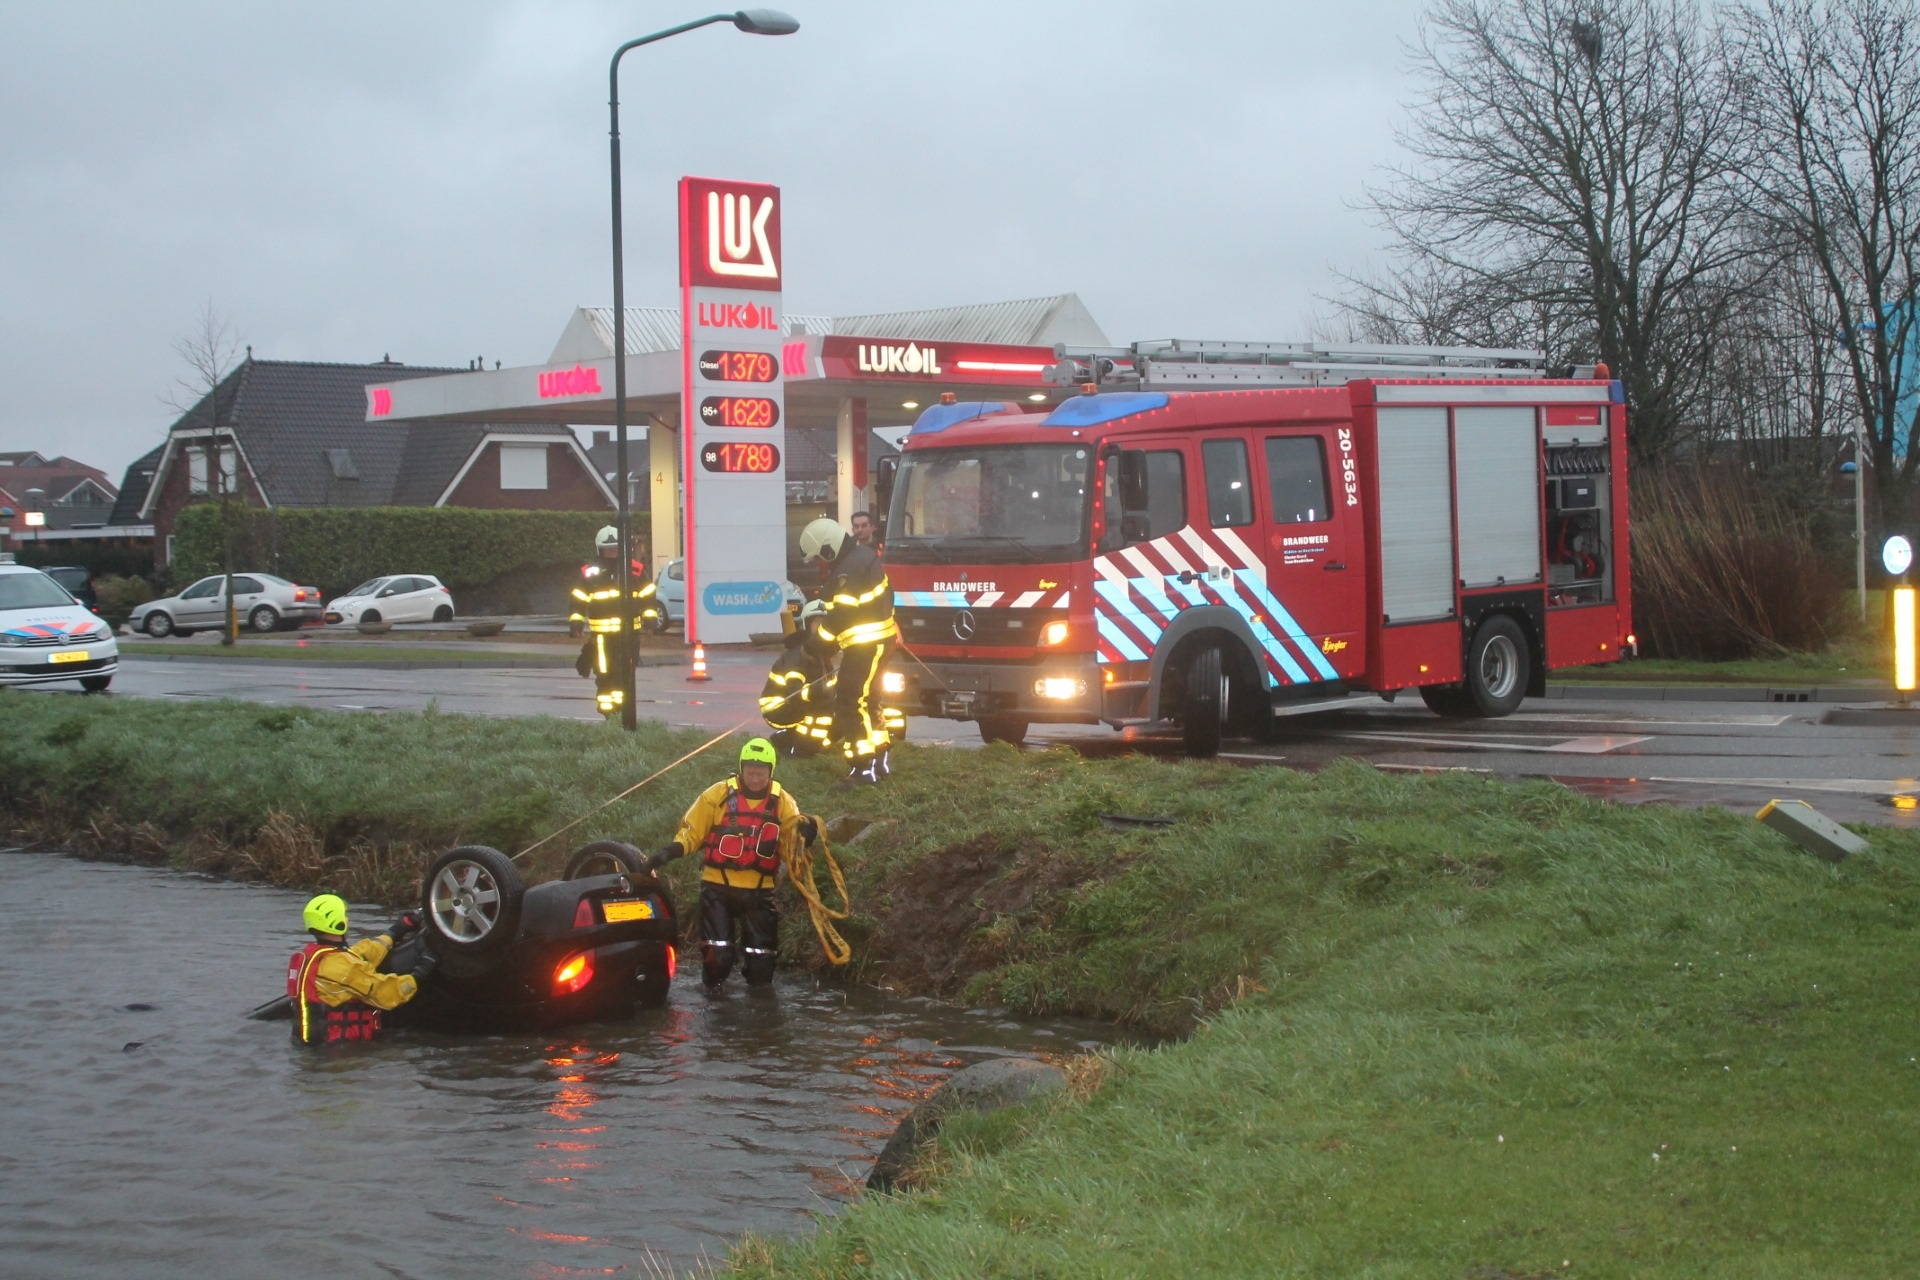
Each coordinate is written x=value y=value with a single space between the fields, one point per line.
x=210 y=353
x=1573 y=180
x=1832 y=89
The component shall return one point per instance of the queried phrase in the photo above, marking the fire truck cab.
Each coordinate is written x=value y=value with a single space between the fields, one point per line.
x=1211 y=531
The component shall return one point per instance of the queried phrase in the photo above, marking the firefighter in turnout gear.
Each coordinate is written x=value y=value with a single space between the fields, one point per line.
x=741 y=828
x=337 y=991
x=858 y=621
x=797 y=700
x=597 y=606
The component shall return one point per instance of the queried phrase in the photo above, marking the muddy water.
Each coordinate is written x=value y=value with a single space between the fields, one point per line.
x=145 y=1128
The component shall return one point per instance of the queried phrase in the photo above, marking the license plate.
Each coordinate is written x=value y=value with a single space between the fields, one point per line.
x=71 y=655
x=619 y=909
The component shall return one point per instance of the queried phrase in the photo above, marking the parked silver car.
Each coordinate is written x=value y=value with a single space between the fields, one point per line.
x=403 y=597
x=263 y=602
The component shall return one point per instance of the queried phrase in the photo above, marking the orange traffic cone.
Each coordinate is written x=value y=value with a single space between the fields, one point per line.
x=699 y=671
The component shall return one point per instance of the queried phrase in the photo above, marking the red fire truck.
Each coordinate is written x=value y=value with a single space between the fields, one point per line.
x=1213 y=530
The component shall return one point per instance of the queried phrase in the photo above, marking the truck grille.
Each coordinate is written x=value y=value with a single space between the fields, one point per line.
x=989 y=626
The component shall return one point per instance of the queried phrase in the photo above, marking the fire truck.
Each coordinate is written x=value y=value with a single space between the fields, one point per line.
x=1210 y=532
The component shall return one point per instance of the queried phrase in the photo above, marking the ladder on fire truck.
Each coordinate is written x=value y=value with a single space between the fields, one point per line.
x=1174 y=363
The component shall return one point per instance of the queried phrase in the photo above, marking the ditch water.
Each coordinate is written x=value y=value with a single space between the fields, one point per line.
x=147 y=1128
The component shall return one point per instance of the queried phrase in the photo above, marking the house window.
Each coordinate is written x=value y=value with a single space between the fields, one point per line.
x=197 y=478
x=523 y=466
x=196 y=470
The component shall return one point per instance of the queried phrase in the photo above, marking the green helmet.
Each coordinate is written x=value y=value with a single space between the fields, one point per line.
x=759 y=751
x=327 y=913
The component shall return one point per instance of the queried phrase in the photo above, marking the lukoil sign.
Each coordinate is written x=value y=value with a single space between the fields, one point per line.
x=731 y=234
x=887 y=357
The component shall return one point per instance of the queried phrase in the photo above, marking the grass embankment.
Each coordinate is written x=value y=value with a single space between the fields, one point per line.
x=1456 y=1021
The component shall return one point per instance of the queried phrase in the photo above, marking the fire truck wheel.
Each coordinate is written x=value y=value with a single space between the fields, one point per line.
x=1448 y=700
x=1497 y=667
x=1008 y=729
x=1204 y=709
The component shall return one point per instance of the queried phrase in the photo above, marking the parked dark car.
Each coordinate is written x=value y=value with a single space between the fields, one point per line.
x=590 y=947
x=78 y=580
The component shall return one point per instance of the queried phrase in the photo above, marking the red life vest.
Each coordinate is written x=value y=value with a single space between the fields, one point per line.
x=747 y=837
x=315 y=1021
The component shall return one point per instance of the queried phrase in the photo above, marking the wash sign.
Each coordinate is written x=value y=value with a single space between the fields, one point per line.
x=732 y=394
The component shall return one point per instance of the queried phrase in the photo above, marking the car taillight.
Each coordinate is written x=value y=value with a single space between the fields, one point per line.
x=673 y=961
x=575 y=972
x=583 y=914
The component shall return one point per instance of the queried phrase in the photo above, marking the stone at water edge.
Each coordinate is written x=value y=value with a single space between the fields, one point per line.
x=982 y=1087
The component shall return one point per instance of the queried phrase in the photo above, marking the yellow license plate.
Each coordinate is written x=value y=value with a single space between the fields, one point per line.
x=71 y=655
x=627 y=909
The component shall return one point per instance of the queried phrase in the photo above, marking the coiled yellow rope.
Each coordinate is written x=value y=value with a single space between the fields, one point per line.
x=800 y=872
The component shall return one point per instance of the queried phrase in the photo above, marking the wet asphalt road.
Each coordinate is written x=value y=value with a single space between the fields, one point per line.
x=1725 y=747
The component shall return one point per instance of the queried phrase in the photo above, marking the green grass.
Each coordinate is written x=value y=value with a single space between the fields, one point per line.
x=1444 y=1024
x=1849 y=662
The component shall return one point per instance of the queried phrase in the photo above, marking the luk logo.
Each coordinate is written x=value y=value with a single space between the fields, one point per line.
x=736 y=315
x=577 y=381
x=880 y=357
x=737 y=242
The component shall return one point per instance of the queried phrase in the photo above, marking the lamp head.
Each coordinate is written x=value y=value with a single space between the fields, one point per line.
x=765 y=22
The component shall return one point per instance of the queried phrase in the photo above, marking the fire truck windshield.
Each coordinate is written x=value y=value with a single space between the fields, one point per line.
x=1004 y=504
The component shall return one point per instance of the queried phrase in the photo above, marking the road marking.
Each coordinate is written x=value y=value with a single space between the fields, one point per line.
x=1493 y=742
x=1752 y=721
x=1838 y=786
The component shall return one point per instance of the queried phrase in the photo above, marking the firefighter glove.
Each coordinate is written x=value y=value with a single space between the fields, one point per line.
x=667 y=854
x=809 y=830
x=423 y=967
x=404 y=926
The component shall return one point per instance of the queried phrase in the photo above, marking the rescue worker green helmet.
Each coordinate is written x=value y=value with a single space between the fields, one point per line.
x=327 y=913
x=759 y=751
x=822 y=539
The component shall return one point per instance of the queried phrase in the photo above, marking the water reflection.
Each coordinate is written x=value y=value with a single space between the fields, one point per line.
x=214 y=1146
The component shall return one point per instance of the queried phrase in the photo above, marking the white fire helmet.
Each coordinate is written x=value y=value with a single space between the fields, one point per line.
x=822 y=539
x=811 y=610
x=607 y=541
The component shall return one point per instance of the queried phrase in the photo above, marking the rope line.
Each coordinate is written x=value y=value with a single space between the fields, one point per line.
x=800 y=874
x=722 y=736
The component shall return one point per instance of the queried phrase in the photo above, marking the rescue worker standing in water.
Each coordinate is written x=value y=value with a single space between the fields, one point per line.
x=742 y=828
x=597 y=605
x=797 y=698
x=858 y=621
x=337 y=991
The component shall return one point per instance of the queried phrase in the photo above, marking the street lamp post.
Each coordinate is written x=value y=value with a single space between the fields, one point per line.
x=759 y=22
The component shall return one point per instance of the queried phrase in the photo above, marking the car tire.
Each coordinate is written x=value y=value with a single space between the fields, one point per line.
x=370 y=615
x=443 y=614
x=1449 y=700
x=471 y=898
x=95 y=684
x=1011 y=730
x=658 y=623
x=1497 y=668
x=159 y=625
x=604 y=858
x=1204 y=705
x=263 y=620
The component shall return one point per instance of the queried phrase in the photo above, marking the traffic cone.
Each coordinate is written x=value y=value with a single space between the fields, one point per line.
x=699 y=671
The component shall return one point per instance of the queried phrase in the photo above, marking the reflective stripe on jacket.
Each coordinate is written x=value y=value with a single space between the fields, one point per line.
x=859 y=601
x=338 y=992
x=597 y=599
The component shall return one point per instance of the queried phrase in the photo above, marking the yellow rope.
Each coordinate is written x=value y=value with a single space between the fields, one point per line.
x=722 y=736
x=800 y=872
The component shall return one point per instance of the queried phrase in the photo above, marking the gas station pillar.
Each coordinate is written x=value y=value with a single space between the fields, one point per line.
x=663 y=470
x=850 y=451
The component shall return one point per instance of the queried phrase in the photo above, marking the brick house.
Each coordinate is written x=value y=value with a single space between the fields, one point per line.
x=282 y=433
x=60 y=493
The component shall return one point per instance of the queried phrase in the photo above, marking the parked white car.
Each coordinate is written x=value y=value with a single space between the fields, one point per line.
x=403 y=597
x=671 y=591
x=47 y=635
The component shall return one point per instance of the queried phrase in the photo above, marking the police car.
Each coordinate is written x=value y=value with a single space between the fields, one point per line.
x=47 y=635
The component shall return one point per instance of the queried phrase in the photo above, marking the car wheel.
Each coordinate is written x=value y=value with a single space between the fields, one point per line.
x=264 y=620
x=604 y=858
x=472 y=896
x=1497 y=668
x=95 y=684
x=1009 y=729
x=159 y=625
x=658 y=623
x=1448 y=700
x=1204 y=707
x=443 y=614
x=370 y=615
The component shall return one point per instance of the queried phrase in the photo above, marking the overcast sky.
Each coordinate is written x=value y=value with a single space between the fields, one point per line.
x=429 y=180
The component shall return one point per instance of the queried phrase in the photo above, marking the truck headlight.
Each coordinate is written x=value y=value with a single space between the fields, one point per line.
x=1053 y=633
x=893 y=682
x=1059 y=687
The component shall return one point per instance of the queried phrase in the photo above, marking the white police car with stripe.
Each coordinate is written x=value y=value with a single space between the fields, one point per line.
x=46 y=635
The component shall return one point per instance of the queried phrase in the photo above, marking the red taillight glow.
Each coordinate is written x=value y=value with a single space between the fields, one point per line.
x=673 y=961
x=575 y=973
x=583 y=914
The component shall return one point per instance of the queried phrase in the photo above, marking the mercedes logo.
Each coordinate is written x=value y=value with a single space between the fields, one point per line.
x=965 y=625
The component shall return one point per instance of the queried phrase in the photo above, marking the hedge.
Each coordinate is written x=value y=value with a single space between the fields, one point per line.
x=335 y=548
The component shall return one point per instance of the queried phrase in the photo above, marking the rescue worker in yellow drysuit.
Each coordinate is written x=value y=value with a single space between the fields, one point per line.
x=742 y=828
x=797 y=699
x=597 y=605
x=858 y=621
x=337 y=991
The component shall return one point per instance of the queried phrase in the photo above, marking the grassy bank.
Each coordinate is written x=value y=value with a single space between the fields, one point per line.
x=1453 y=1021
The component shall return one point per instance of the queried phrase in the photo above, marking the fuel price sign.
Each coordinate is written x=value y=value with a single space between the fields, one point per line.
x=738 y=366
x=735 y=458
x=739 y=411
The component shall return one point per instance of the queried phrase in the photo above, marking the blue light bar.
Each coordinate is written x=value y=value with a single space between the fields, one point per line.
x=1091 y=411
x=941 y=416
